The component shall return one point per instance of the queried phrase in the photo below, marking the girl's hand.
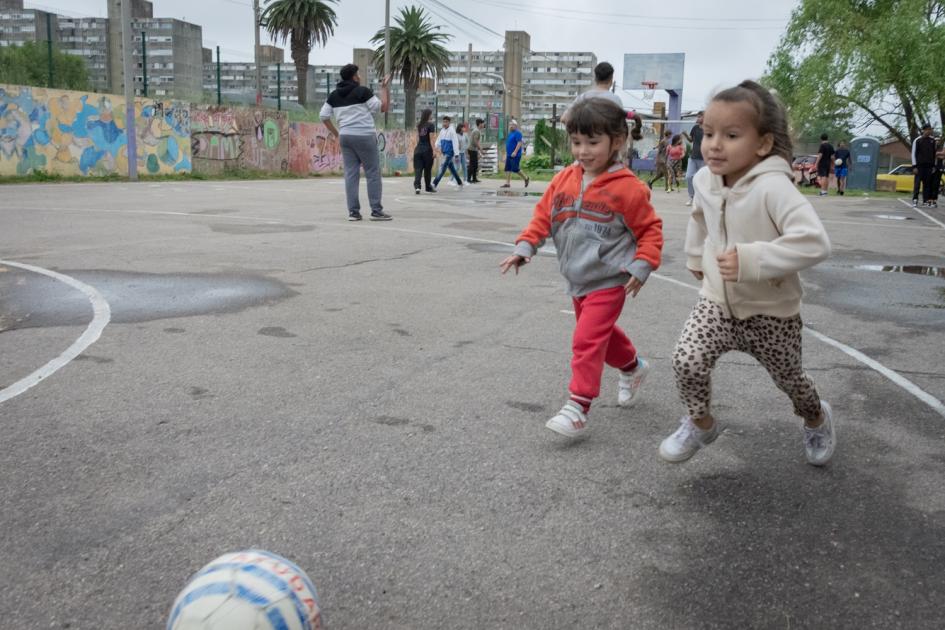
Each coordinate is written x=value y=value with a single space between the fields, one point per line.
x=633 y=286
x=515 y=261
x=697 y=274
x=728 y=265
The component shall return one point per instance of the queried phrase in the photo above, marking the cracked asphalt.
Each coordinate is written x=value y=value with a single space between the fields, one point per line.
x=368 y=400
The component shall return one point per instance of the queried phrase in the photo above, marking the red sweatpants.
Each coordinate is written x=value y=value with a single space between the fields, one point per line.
x=597 y=339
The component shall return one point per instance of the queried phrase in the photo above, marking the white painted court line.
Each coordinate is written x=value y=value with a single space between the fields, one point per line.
x=101 y=314
x=924 y=214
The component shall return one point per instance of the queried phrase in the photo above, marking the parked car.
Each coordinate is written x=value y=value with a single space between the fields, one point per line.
x=903 y=177
x=804 y=171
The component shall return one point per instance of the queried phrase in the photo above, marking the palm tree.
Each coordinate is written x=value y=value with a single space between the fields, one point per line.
x=304 y=23
x=416 y=51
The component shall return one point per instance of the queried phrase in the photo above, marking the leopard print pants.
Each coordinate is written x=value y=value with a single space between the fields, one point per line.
x=774 y=341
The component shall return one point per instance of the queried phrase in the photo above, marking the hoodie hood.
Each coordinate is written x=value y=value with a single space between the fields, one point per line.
x=773 y=164
x=345 y=87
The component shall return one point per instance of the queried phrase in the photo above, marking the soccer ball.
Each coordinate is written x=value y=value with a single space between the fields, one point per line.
x=247 y=590
x=838 y=162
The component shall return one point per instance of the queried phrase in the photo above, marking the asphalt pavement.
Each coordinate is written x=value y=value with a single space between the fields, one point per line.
x=368 y=400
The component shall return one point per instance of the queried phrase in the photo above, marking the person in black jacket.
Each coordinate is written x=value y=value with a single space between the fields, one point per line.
x=423 y=154
x=923 y=166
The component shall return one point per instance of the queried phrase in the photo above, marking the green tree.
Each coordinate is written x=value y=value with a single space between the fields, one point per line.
x=546 y=137
x=29 y=65
x=416 y=51
x=303 y=23
x=863 y=62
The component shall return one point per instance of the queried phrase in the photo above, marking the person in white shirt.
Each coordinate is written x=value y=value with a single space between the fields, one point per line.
x=354 y=106
x=446 y=145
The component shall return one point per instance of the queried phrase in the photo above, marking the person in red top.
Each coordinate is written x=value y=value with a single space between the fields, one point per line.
x=608 y=239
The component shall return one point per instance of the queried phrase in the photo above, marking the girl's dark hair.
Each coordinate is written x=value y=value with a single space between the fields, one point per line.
x=636 y=132
x=425 y=117
x=459 y=129
x=598 y=116
x=676 y=138
x=770 y=115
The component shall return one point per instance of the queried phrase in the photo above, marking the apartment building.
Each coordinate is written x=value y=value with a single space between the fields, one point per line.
x=238 y=79
x=19 y=25
x=88 y=38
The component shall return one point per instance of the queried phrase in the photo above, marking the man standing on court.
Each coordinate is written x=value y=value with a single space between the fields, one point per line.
x=824 y=159
x=354 y=106
x=695 y=155
x=475 y=149
x=514 y=148
x=923 y=166
x=603 y=82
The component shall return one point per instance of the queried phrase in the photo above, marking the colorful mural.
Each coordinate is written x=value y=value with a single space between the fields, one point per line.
x=78 y=133
x=312 y=149
x=225 y=137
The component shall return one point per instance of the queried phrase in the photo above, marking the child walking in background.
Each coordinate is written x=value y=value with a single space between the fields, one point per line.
x=608 y=239
x=749 y=234
x=674 y=156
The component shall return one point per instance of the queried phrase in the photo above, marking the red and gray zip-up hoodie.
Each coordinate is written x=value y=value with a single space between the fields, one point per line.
x=604 y=232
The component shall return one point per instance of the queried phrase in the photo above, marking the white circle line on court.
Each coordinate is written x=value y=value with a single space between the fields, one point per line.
x=924 y=214
x=101 y=314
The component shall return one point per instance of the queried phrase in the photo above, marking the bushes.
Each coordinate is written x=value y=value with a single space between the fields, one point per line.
x=535 y=162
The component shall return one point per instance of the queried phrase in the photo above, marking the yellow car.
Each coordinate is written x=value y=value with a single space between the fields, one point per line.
x=903 y=177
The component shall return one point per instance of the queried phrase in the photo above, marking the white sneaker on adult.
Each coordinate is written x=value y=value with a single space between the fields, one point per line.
x=629 y=383
x=820 y=443
x=689 y=203
x=686 y=440
x=570 y=422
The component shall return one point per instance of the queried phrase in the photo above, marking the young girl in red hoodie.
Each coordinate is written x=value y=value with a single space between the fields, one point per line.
x=608 y=240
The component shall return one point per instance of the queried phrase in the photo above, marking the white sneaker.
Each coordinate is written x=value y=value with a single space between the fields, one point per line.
x=689 y=203
x=686 y=440
x=570 y=422
x=819 y=443
x=628 y=383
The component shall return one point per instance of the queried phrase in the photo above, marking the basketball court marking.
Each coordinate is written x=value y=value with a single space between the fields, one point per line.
x=101 y=311
x=924 y=214
x=890 y=374
x=873 y=364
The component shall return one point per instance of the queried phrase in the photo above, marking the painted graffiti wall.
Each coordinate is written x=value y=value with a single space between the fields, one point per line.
x=80 y=133
x=237 y=137
x=312 y=149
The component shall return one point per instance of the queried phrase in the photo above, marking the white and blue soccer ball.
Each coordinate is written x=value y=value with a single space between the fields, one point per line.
x=247 y=590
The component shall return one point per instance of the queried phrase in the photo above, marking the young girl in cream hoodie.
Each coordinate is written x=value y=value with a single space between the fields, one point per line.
x=749 y=234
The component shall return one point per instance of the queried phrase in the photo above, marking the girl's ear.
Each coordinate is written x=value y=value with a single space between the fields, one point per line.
x=766 y=145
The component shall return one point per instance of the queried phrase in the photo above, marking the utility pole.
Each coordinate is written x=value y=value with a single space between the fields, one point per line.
x=131 y=147
x=279 y=86
x=219 y=95
x=144 y=61
x=256 y=53
x=554 y=132
x=468 y=80
x=49 y=50
x=386 y=52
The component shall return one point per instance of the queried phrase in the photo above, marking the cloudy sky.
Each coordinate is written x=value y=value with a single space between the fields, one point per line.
x=725 y=41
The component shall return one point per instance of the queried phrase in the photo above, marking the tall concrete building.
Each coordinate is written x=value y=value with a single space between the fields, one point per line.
x=174 y=52
x=238 y=79
x=518 y=82
x=19 y=25
x=88 y=38
x=139 y=9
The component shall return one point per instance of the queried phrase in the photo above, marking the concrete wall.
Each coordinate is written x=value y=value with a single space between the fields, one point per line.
x=236 y=137
x=313 y=150
x=78 y=133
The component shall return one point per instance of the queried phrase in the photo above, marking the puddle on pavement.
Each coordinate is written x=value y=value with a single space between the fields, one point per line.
x=515 y=193
x=919 y=270
x=259 y=228
x=31 y=300
x=894 y=217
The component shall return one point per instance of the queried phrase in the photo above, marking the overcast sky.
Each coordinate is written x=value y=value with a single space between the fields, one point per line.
x=725 y=41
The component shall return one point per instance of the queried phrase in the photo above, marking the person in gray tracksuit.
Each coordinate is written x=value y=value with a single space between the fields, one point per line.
x=354 y=106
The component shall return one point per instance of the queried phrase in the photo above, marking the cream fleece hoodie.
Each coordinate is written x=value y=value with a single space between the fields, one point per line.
x=771 y=225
